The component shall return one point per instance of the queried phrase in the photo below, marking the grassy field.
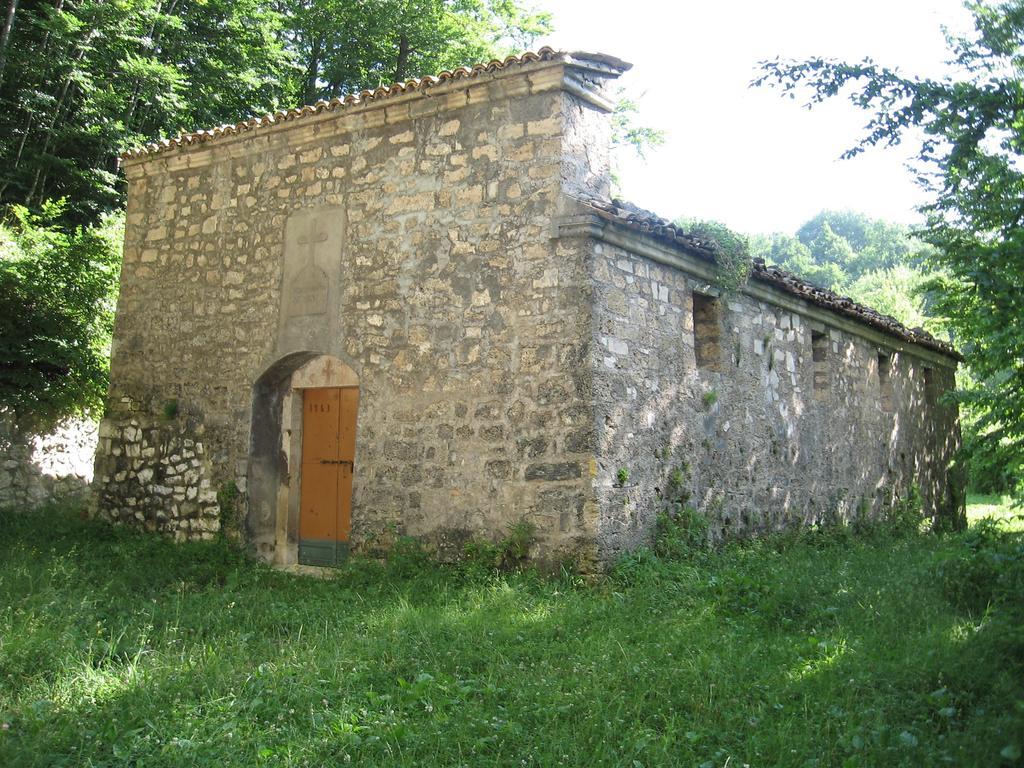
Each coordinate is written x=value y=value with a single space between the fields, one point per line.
x=118 y=649
x=980 y=507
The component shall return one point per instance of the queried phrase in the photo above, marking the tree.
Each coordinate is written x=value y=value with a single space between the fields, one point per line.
x=873 y=243
x=970 y=160
x=789 y=253
x=57 y=293
x=837 y=249
x=85 y=80
x=82 y=81
x=343 y=46
x=897 y=292
x=628 y=136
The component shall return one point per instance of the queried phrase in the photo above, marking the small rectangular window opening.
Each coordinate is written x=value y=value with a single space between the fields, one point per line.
x=885 y=393
x=706 y=332
x=819 y=356
x=930 y=394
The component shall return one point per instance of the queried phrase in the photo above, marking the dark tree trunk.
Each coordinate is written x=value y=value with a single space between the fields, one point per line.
x=403 y=59
x=312 y=73
x=5 y=33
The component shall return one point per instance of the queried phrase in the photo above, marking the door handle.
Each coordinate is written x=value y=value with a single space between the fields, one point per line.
x=337 y=461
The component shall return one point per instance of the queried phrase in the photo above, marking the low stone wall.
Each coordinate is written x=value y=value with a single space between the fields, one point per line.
x=161 y=469
x=39 y=469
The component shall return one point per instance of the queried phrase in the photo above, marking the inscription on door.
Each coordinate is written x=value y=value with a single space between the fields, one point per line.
x=328 y=456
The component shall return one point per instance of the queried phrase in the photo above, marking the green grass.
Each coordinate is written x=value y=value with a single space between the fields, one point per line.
x=119 y=649
x=981 y=506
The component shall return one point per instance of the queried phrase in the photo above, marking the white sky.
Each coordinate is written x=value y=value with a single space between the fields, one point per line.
x=751 y=158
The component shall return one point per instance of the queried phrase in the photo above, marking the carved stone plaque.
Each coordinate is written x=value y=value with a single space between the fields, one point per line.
x=307 y=244
x=313 y=246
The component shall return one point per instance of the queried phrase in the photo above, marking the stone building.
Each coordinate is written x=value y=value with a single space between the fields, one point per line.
x=415 y=311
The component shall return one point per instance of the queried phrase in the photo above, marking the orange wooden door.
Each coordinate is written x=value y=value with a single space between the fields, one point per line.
x=328 y=453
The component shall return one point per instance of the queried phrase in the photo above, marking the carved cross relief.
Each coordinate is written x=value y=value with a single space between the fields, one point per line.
x=308 y=288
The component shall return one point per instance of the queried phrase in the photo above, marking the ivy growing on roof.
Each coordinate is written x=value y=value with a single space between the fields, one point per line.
x=730 y=249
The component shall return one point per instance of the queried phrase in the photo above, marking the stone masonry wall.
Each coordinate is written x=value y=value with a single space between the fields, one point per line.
x=467 y=325
x=762 y=434
x=39 y=469
x=508 y=370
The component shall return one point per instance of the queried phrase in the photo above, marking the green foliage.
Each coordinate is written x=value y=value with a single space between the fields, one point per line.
x=872 y=261
x=987 y=570
x=628 y=135
x=900 y=519
x=80 y=82
x=622 y=476
x=407 y=558
x=125 y=649
x=170 y=410
x=904 y=517
x=228 y=500
x=859 y=244
x=790 y=254
x=709 y=398
x=970 y=160
x=680 y=532
x=481 y=557
x=899 y=292
x=57 y=293
x=341 y=47
x=83 y=81
x=730 y=249
x=989 y=468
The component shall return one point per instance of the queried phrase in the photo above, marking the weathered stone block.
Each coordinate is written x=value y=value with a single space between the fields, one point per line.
x=567 y=470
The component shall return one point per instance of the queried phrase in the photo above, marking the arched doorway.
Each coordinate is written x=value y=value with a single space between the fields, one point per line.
x=302 y=460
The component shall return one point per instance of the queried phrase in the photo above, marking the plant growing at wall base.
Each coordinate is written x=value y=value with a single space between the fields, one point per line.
x=228 y=497
x=905 y=516
x=677 y=478
x=481 y=557
x=680 y=533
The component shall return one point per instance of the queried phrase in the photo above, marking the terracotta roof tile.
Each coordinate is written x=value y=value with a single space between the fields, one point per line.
x=364 y=97
x=648 y=223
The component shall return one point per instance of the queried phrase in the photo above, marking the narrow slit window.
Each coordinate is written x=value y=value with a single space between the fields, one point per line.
x=706 y=332
x=885 y=395
x=819 y=356
x=930 y=395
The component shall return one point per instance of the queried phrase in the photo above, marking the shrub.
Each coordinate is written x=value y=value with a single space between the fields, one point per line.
x=481 y=557
x=988 y=569
x=57 y=294
x=680 y=532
